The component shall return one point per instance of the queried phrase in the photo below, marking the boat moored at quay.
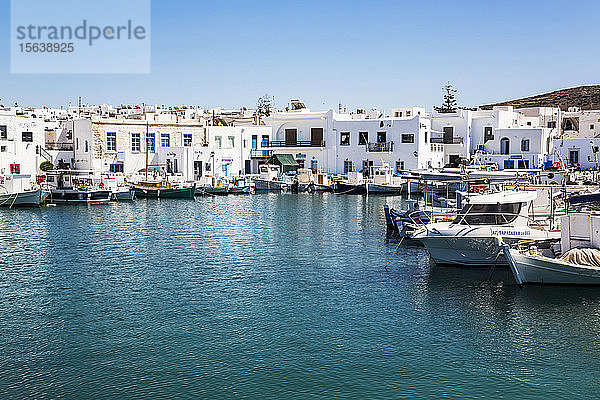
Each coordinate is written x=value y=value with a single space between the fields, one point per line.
x=470 y=239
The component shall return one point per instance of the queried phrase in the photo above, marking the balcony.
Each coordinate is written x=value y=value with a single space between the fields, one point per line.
x=440 y=140
x=294 y=143
x=380 y=147
x=255 y=153
x=62 y=146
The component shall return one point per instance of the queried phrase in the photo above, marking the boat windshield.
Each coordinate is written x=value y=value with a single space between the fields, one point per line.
x=488 y=214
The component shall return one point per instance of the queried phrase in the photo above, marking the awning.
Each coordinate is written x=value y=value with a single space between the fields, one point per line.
x=287 y=162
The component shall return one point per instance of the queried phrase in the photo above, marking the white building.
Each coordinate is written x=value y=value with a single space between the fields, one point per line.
x=21 y=144
x=338 y=142
x=502 y=136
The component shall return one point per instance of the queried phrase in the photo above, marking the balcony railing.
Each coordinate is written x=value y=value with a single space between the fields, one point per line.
x=255 y=153
x=294 y=143
x=380 y=147
x=59 y=146
x=440 y=140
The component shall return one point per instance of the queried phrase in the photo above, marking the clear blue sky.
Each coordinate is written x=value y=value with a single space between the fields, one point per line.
x=359 y=53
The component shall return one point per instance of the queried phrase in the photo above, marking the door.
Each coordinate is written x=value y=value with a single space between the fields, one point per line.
x=291 y=137
x=504 y=146
x=448 y=134
x=248 y=167
x=316 y=136
x=197 y=170
x=254 y=141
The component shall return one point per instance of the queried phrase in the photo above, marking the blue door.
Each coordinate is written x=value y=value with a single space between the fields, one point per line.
x=254 y=141
x=509 y=164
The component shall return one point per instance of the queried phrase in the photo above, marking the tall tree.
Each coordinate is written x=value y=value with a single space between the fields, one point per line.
x=449 y=103
x=264 y=105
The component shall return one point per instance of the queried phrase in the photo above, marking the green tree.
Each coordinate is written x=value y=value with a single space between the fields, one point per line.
x=449 y=103
x=46 y=166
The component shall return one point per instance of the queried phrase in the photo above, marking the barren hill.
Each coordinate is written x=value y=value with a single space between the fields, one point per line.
x=584 y=97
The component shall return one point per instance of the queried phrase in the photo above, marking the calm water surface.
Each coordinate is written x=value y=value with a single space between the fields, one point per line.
x=270 y=296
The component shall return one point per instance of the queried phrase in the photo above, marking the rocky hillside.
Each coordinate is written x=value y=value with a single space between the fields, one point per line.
x=584 y=97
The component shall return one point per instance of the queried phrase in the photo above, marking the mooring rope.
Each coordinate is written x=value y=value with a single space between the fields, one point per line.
x=399 y=243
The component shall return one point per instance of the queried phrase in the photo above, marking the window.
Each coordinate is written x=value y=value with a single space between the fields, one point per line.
x=77 y=144
x=408 y=113
x=69 y=135
x=165 y=140
x=487 y=134
x=381 y=136
x=528 y=123
x=116 y=167
x=151 y=142
x=218 y=142
x=525 y=145
x=363 y=137
x=3 y=132
x=398 y=114
x=408 y=138
x=488 y=214
x=86 y=146
x=551 y=124
x=592 y=127
x=230 y=142
x=3 y=149
x=27 y=137
x=348 y=166
x=187 y=139
x=504 y=146
x=399 y=166
x=111 y=141
x=344 y=138
x=300 y=163
x=574 y=157
x=426 y=137
x=314 y=165
x=135 y=142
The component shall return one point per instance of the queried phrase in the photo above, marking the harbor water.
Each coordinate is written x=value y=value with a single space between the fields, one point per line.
x=271 y=296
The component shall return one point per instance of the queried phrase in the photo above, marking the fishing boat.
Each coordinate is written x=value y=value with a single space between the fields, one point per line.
x=384 y=182
x=240 y=186
x=17 y=190
x=575 y=260
x=120 y=191
x=311 y=182
x=76 y=186
x=270 y=179
x=163 y=190
x=470 y=239
x=353 y=184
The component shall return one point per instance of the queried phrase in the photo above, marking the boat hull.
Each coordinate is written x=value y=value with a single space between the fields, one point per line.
x=374 y=188
x=347 y=188
x=471 y=251
x=543 y=270
x=124 y=195
x=213 y=191
x=164 y=193
x=80 y=196
x=33 y=198
x=265 y=185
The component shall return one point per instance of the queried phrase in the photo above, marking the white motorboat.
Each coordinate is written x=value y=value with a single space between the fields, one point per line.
x=470 y=239
x=575 y=261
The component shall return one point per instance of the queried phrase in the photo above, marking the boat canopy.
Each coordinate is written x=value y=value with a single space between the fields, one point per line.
x=286 y=161
x=503 y=197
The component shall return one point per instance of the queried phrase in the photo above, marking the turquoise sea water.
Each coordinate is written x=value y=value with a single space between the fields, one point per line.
x=270 y=296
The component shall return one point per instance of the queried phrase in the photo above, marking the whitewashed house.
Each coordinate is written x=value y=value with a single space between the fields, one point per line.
x=21 y=144
x=502 y=136
x=340 y=142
